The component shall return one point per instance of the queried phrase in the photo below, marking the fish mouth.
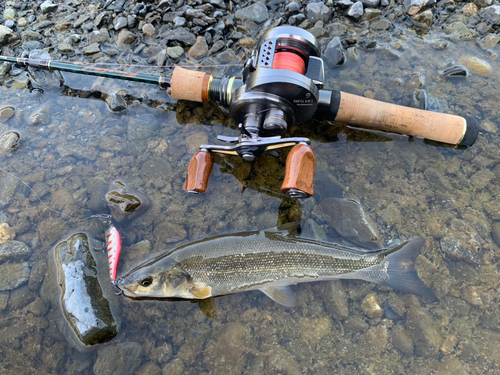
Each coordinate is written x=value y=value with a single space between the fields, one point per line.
x=123 y=289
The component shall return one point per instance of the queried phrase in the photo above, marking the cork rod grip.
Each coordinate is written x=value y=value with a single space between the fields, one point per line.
x=364 y=112
x=190 y=85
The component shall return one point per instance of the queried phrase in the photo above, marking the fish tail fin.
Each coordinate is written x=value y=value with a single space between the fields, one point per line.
x=401 y=269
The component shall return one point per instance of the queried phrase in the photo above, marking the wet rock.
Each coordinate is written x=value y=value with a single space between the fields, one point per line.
x=174 y=367
x=13 y=275
x=50 y=231
x=48 y=7
x=458 y=31
x=401 y=340
x=425 y=18
x=6 y=113
x=424 y=332
x=4 y=69
x=149 y=368
x=370 y=306
x=91 y=49
x=318 y=12
x=476 y=65
x=124 y=203
x=199 y=49
x=334 y=52
x=282 y=362
x=8 y=186
x=180 y=34
x=347 y=217
x=9 y=142
x=119 y=359
x=175 y=52
x=125 y=38
x=489 y=41
x=228 y=56
x=255 y=13
x=335 y=299
x=491 y=14
x=83 y=302
x=462 y=242
x=472 y=296
x=7 y=36
x=45 y=78
x=13 y=251
x=6 y=233
x=356 y=10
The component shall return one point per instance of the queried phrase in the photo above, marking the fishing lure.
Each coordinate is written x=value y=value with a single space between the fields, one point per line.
x=114 y=246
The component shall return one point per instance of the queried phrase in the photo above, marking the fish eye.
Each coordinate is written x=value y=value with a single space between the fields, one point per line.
x=146 y=281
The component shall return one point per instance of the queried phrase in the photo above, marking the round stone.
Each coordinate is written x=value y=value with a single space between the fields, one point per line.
x=22 y=22
x=9 y=13
x=148 y=29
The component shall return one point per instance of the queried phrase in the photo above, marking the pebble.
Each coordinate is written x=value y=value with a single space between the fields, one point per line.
x=120 y=23
x=13 y=250
x=9 y=13
x=125 y=203
x=199 y=49
x=148 y=29
x=22 y=22
x=318 y=12
x=175 y=52
x=91 y=49
x=334 y=53
x=256 y=13
x=371 y=307
x=7 y=36
x=6 y=113
x=124 y=39
x=476 y=65
x=424 y=332
x=356 y=10
x=13 y=275
x=491 y=14
x=48 y=7
x=6 y=233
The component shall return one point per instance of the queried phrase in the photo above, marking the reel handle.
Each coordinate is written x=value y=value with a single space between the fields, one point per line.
x=368 y=113
x=299 y=172
x=199 y=170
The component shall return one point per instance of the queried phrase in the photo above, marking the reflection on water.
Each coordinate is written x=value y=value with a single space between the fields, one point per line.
x=73 y=147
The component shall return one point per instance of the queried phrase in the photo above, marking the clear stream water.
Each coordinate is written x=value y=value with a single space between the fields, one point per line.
x=73 y=147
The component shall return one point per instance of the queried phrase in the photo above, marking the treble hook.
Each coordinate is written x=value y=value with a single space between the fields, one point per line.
x=118 y=291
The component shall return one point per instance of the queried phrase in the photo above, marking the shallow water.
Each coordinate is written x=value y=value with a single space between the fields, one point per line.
x=72 y=146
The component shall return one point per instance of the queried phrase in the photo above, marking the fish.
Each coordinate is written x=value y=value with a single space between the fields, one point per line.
x=114 y=246
x=269 y=261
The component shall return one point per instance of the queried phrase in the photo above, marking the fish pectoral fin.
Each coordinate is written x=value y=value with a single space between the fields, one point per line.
x=201 y=292
x=280 y=294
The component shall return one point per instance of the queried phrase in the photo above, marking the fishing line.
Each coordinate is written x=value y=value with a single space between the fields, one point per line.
x=100 y=216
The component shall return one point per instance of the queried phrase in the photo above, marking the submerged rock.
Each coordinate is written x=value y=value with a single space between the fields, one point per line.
x=83 y=302
x=9 y=141
x=124 y=203
x=462 y=242
x=123 y=359
x=13 y=275
x=346 y=216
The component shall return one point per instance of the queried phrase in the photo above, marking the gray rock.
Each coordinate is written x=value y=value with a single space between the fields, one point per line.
x=5 y=68
x=388 y=53
x=174 y=367
x=491 y=14
x=91 y=49
x=356 y=10
x=175 y=52
x=401 y=340
x=65 y=47
x=13 y=275
x=124 y=203
x=120 y=23
x=292 y=9
x=296 y=19
x=343 y=4
x=14 y=251
x=83 y=302
x=424 y=332
x=80 y=21
x=462 y=242
x=99 y=36
x=335 y=299
x=458 y=31
x=9 y=142
x=119 y=359
x=6 y=113
x=8 y=186
x=370 y=3
x=181 y=34
x=226 y=57
x=179 y=22
x=115 y=101
x=318 y=11
x=48 y=7
x=125 y=38
x=382 y=24
x=7 y=36
x=334 y=53
x=256 y=12
x=199 y=49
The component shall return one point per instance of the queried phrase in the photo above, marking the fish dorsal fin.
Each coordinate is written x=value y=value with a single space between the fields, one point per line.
x=201 y=292
x=280 y=294
x=288 y=229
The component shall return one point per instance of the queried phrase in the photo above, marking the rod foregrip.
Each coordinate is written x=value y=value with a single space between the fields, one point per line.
x=364 y=112
x=299 y=172
x=190 y=85
x=199 y=171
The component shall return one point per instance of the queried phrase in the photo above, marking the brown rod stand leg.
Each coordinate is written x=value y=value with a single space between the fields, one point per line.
x=299 y=172
x=199 y=170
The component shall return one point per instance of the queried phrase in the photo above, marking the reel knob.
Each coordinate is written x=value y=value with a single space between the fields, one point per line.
x=299 y=172
x=199 y=170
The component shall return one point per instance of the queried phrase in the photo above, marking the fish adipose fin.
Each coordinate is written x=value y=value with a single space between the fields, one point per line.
x=281 y=294
x=401 y=269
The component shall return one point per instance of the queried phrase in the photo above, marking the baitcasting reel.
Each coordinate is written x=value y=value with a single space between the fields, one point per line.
x=281 y=86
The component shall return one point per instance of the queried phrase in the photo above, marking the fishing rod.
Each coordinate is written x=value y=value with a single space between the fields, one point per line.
x=281 y=85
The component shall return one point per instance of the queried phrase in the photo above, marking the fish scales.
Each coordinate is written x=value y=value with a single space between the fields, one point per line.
x=259 y=260
x=269 y=261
